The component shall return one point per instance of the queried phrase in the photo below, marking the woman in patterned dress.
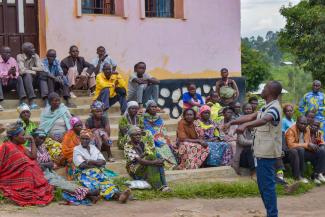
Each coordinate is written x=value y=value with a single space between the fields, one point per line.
x=220 y=151
x=155 y=125
x=192 y=151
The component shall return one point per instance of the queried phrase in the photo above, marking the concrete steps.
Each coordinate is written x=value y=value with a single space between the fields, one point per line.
x=225 y=174
x=11 y=115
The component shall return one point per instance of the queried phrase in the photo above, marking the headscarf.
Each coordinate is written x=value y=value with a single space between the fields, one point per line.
x=74 y=121
x=52 y=96
x=133 y=129
x=129 y=105
x=39 y=132
x=97 y=105
x=86 y=133
x=23 y=107
x=14 y=129
x=150 y=103
x=204 y=108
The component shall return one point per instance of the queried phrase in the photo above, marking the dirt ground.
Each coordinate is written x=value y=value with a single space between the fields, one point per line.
x=307 y=205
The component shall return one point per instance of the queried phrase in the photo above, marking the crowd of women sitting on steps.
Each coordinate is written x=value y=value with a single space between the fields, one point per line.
x=205 y=135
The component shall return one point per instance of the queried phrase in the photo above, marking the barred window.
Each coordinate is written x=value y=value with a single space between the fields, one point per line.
x=159 y=8
x=98 y=6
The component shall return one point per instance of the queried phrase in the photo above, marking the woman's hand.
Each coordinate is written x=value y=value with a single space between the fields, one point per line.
x=159 y=162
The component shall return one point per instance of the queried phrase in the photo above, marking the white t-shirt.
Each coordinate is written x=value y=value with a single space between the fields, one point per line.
x=81 y=154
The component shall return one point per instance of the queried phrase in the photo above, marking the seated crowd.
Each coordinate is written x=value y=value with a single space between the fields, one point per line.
x=205 y=135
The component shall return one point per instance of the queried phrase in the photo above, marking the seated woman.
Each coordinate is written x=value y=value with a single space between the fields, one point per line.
x=55 y=121
x=155 y=125
x=76 y=193
x=24 y=117
x=192 y=151
x=316 y=134
x=228 y=135
x=142 y=162
x=99 y=125
x=213 y=102
x=220 y=151
x=244 y=153
x=70 y=140
x=21 y=178
x=90 y=162
x=192 y=99
x=130 y=118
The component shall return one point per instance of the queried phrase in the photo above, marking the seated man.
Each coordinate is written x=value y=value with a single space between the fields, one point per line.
x=57 y=82
x=101 y=59
x=302 y=149
x=142 y=86
x=226 y=88
x=110 y=88
x=79 y=72
x=32 y=72
x=9 y=76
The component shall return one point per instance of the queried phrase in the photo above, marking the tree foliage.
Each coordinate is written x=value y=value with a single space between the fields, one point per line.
x=267 y=45
x=255 y=67
x=304 y=35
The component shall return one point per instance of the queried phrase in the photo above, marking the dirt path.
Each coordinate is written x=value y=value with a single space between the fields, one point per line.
x=311 y=204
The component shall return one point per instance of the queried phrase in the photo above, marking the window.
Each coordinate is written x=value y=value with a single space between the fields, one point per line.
x=98 y=6
x=159 y=8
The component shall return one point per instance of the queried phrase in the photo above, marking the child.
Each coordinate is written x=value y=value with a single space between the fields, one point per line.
x=24 y=118
x=99 y=124
x=191 y=99
x=287 y=121
x=226 y=88
x=216 y=108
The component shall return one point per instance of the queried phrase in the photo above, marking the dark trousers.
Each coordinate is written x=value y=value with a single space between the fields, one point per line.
x=317 y=159
x=296 y=158
x=265 y=173
x=162 y=176
x=32 y=82
x=13 y=84
x=108 y=102
x=247 y=159
x=58 y=87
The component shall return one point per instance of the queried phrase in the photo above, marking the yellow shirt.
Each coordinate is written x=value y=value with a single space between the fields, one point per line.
x=102 y=82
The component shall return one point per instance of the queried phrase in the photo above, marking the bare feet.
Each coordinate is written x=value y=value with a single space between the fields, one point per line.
x=124 y=196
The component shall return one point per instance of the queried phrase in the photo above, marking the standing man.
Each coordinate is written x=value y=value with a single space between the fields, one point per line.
x=9 y=76
x=57 y=82
x=267 y=142
x=101 y=59
x=314 y=101
x=32 y=72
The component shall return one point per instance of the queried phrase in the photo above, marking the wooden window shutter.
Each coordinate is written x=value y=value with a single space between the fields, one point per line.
x=121 y=8
x=179 y=9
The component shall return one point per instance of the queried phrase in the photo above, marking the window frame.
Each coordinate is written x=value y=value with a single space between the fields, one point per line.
x=179 y=10
x=120 y=10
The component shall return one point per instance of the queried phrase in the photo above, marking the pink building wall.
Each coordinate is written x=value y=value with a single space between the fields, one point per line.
x=197 y=47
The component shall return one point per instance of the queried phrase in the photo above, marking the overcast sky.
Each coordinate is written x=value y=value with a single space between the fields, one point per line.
x=260 y=16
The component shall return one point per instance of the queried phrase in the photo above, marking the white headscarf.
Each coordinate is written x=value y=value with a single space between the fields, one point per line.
x=129 y=105
x=23 y=107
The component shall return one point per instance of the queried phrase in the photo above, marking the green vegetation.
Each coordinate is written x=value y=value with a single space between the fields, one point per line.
x=304 y=35
x=255 y=67
x=212 y=190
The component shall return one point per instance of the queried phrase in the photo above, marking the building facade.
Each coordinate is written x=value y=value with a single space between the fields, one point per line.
x=176 y=38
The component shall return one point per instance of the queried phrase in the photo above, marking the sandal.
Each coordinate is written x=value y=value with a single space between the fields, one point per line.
x=111 y=160
x=166 y=189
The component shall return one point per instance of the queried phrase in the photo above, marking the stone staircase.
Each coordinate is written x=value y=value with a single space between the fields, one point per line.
x=10 y=115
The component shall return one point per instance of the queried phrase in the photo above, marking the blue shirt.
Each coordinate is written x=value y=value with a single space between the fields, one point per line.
x=188 y=98
x=107 y=60
x=55 y=70
x=313 y=101
x=286 y=124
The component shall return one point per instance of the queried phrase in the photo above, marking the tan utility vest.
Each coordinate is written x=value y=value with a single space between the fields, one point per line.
x=268 y=138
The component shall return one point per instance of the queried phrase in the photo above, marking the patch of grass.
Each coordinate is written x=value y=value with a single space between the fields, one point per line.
x=212 y=191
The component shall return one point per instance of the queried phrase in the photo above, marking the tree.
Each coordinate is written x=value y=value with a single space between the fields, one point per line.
x=304 y=35
x=255 y=67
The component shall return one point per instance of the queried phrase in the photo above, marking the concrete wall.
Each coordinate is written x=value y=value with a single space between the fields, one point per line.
x=197 y=47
